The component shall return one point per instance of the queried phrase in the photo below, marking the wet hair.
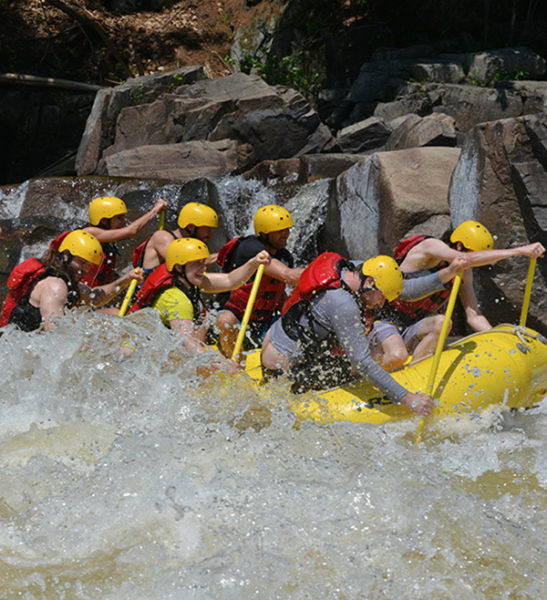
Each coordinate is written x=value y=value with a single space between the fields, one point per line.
x=454 y=245
x=445 y=237
x=59 y=262
x=102 y=224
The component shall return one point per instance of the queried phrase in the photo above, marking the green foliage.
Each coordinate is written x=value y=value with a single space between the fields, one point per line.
x=137 y=95
x=501 y=75
x=515 y=75
x=292 y=71
x=419 y=82
x=227 y=18
x=474 y=79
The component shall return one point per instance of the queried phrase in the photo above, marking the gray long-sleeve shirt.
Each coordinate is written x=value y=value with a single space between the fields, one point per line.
x=336 y=311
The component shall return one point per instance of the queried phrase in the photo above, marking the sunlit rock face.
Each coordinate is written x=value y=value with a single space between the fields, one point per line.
x=500 y=180
x=375 y=203
x=182 y=126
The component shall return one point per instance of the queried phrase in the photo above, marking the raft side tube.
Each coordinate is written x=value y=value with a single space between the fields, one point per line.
x=506 y=365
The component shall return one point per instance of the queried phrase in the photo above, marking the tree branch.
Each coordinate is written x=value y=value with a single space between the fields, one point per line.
x=92 y=26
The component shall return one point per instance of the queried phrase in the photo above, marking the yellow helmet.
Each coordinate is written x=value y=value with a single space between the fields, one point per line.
x=272 y=218
x=84 y=245
x=184 y=250
x=473 y=236
x=106 y=207
x=386 y=274
x=197 y=214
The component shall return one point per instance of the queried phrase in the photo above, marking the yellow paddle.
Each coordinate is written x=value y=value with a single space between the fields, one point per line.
x=440 y=344
x=128 y=296
x=527 y=292
x=161 y=220
x=248 y=311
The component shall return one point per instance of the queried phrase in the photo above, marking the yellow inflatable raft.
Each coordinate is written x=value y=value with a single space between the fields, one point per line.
x=506 y=366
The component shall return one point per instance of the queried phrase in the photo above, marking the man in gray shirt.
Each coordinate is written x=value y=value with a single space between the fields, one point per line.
x=335 y=313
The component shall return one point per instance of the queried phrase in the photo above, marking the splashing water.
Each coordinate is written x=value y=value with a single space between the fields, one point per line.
x=240 y=198
x=137 y=479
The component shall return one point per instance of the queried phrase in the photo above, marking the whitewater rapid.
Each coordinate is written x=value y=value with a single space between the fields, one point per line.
x=137 y=479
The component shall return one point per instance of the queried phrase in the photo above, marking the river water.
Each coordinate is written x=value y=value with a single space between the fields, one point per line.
x=137 y=479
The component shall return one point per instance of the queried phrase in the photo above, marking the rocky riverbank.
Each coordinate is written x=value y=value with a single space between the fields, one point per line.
x=415 y=139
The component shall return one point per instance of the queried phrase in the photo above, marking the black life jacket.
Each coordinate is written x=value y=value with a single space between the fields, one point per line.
x=322 y=274
x=270 y=293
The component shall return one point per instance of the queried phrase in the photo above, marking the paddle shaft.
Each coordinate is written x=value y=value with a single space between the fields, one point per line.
x=440 y=343
x=161 y=220
x=527 y=292
x=248 y=311
x=444 y=331
x=128 y=296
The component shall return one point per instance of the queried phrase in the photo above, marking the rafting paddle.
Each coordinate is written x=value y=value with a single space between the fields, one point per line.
x=248 y=311
x=440 y=344
x=527 y=292
x=133 y=284
x=128 y=296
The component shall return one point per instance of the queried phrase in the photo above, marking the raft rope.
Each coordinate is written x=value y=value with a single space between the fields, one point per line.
x=524 y=335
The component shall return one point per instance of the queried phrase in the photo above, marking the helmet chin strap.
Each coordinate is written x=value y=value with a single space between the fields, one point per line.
x=265 y=237
x=182 y=274
x=365 y=287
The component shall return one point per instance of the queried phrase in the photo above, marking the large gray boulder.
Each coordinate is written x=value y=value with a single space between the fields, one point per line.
x=177 y=162
x=500 y=180
x=504 y=63
x=469 y=105
x=376 y=202
x=364 y=135
x=280 y=133
x=99 y=131
x=442 y=70
x=262 y=123
x=436 y=129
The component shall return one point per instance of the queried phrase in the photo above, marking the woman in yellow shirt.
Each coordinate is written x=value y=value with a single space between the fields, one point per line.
x=174 y=289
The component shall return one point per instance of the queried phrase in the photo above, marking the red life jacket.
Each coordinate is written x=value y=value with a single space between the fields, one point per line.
x=99 y=274
x=418 y=309
x=224 y=254
x=323 y=273
x=161 y=279
x=404 y=246
x=19 y=283
x=270 y=293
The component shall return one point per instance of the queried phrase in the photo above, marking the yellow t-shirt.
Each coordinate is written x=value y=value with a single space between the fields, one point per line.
x=173 y=304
